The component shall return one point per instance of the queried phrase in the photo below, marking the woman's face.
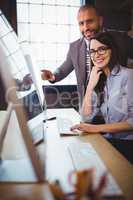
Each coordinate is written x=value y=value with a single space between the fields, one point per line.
x=100 y=54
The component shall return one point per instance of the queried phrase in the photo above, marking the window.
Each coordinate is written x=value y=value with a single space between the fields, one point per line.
x=49 y=26
x=13 y=55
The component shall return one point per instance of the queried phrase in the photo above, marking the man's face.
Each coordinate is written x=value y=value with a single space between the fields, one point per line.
x=89 y=22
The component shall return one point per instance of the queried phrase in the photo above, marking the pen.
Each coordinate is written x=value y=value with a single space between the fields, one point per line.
x=49 y=119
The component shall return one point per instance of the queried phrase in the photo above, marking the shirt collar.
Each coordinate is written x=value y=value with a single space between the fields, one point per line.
x=87 y=42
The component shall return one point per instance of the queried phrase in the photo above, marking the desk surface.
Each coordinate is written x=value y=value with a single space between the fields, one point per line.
x=59 y=164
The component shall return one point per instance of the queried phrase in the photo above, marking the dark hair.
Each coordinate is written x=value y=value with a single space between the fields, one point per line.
x=87 y=7
x=107 y=39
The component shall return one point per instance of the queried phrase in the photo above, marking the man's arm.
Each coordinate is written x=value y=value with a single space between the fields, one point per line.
x=65 y=69
x=61 y=72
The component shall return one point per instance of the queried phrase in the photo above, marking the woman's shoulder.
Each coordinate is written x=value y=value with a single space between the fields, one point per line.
x=126 y=74
x=120 y=70
x=126 y=70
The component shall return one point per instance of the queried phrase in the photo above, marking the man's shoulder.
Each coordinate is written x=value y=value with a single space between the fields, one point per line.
x=119 y=35
x=77 y=42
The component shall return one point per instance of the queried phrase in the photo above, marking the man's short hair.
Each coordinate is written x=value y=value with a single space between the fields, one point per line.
x=87 y=7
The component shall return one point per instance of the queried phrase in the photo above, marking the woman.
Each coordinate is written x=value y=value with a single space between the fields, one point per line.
x=109 y=93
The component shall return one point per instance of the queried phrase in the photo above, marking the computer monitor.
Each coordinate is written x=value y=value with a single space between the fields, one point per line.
x=13 y=65
x=22 y=63
x=21 y=59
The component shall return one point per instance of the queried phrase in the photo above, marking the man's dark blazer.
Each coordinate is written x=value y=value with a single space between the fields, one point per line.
x=75 y=60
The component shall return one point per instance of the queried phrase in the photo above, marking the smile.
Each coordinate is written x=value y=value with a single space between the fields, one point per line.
x=89 y=32
x=99 y=60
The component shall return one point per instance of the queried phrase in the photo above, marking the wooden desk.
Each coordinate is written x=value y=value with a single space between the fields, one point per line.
x=59 y=164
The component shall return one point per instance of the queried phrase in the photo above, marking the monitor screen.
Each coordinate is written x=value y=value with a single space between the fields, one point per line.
x=14 y=66
x=22 y=63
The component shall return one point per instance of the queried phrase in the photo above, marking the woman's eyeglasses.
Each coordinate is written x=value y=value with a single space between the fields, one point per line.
x=101 y=51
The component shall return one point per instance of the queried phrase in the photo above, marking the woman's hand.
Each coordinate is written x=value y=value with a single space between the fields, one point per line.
x=86 y=128
x=94 y=78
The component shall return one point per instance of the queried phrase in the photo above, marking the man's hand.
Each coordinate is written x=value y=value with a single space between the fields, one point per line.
x=47 y=75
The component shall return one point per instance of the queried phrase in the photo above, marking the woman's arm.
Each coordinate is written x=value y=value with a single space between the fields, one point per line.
x=87 y=102
x=104 y=128
x=115 y=127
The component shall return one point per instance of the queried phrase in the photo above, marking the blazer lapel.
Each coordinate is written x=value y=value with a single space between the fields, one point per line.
x=82 y=61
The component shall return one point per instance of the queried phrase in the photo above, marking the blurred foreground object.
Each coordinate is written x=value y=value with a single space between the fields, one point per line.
x=83 y=187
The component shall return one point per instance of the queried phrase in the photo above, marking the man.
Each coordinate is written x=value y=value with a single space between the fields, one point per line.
x=90 y=22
